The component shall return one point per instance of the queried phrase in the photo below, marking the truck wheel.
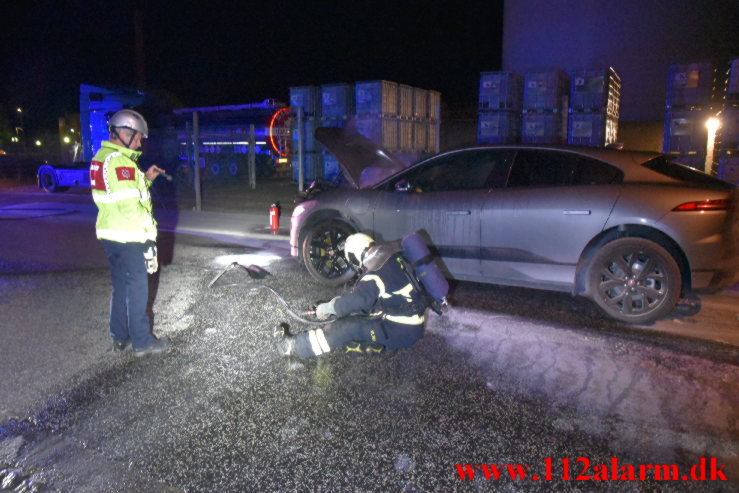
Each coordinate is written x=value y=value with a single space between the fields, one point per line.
x=47 y=180
x=634 y=280
x=323 y=252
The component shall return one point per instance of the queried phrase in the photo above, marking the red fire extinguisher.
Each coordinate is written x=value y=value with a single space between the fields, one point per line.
x=274 y=216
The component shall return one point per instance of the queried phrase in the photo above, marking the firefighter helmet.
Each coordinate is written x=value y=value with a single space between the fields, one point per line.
x=355 y=248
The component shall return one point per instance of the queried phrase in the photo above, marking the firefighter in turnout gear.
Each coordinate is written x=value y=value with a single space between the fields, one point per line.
x=384 y=310
x=127 y=230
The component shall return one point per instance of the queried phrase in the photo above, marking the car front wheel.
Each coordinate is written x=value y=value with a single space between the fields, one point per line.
x=323 y=252
x=634 y=280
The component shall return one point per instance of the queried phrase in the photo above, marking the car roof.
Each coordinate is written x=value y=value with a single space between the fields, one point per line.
x=627 y=161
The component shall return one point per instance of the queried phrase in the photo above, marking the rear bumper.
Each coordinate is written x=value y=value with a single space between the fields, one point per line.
x=709 y=241
x=717 y=279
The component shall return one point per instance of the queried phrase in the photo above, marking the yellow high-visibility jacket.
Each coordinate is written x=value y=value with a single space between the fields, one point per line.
x=121 y=193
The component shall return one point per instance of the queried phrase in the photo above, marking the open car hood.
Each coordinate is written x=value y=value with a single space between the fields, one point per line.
x=364 y=163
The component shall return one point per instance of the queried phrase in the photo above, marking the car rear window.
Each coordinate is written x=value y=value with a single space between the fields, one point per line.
x=534 y=168
x=674 y=169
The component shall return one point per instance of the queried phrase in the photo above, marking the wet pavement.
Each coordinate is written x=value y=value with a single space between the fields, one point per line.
x=221 y=412
x=508 y=376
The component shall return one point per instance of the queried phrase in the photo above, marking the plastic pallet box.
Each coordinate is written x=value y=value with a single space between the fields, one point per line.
x=376 y=98
x=500 y=91
x=498 y=127
x=312 y=167
x=335 y=122
x=728 y=168
x=696 y=160
x=685 y=131
x=542 y=128
x=308 y=130
x=732 y=85
x=691 y=85
x=591 y=129
x=546 y=90
x=381 y=130
x=308 y=98
x=729 y=130
x=337 y=100
x=331 y=169
x=597 y=91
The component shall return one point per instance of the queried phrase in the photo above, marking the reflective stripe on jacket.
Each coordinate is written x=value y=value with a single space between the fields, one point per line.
x=387 y=291
x=121 y=193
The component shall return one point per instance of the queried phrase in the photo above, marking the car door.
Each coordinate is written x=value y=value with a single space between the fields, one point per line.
x=535 y=228
x=443 y=198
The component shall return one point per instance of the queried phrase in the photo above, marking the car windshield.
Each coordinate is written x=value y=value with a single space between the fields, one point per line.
x=678 y=171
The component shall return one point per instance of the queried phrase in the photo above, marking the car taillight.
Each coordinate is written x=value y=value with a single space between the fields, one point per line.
x=704 y=205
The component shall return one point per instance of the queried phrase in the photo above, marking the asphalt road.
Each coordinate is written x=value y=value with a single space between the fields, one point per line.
x=508 y=376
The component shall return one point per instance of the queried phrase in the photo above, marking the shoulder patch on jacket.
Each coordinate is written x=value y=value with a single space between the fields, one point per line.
x=125 y=173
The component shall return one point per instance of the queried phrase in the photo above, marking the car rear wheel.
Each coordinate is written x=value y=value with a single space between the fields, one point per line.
x=323 y=252
x=634 y=280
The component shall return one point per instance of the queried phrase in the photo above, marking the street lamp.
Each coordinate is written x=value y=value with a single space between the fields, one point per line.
x=38 y=143
x=712 y=125
x=66 y=140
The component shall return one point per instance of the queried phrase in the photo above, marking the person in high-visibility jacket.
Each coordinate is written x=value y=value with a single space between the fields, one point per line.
x=127 y=230
x=384 y=310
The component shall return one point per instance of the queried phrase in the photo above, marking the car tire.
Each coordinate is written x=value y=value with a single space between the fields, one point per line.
x=634 y=280
x=47 y=180
x=323 y=252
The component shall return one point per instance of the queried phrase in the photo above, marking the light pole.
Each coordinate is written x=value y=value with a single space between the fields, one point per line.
x=19 y=131
x=712 y=125
x=20 y=113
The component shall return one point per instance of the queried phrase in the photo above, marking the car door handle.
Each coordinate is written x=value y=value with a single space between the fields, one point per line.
x=576 y=213
x=459 y=213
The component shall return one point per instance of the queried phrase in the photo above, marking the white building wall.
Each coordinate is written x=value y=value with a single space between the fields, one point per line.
x=639 y=38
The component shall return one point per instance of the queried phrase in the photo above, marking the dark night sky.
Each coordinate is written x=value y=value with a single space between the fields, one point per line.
x=221 y=52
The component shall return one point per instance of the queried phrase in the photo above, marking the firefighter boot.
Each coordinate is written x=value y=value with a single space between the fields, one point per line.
x=284 y=340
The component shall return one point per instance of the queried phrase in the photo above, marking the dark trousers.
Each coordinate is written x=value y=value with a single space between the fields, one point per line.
x=346 y=330
x=128 y=317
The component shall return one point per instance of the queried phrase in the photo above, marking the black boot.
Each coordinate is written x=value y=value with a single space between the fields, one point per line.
x=284 y=340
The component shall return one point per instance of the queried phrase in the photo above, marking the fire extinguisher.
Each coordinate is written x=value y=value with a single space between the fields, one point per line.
x=274 y=216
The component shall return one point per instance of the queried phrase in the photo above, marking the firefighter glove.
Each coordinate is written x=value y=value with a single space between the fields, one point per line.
x=325 y=310
x=150 y=257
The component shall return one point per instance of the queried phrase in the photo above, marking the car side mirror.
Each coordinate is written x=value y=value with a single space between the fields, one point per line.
x=402 y=186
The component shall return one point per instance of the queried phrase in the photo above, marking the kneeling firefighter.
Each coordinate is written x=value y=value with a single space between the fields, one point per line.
x=386 y=307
